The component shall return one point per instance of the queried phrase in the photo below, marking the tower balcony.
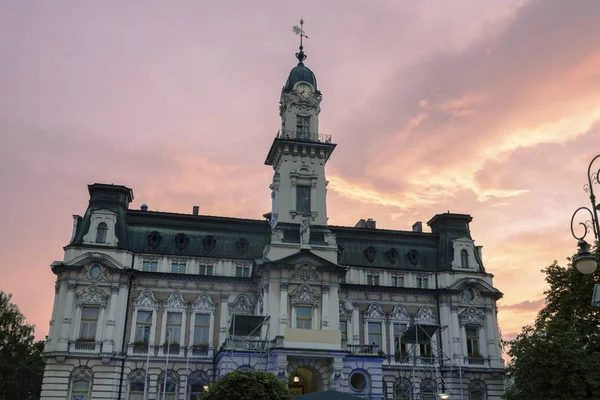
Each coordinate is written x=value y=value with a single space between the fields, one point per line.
x=304 y=136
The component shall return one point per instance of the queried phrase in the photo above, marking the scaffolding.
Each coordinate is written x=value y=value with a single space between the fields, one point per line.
x=247 y=340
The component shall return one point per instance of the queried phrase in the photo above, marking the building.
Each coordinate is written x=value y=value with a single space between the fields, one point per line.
x=179 y=300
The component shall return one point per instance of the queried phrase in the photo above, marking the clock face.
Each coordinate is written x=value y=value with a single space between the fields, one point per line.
x=304 y=91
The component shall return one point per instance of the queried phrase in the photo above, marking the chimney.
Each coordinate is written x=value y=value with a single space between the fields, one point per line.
x=361 y=224
x=417 y=226
x=195 y=210
x=144 y=207
x=369 y=224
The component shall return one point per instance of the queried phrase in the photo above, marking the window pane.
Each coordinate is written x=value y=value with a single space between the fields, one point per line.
x=202 y=319
x=174 y=318
x=304 y=312
x=374 y=328
x=303 y=199
x=144 y=316
x=90 y=312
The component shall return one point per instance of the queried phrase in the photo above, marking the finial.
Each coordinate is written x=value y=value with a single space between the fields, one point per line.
x=299 y=30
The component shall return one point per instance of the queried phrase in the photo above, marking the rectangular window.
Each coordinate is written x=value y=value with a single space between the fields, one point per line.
x=89 y=323
x=423 y=282
x=143 y=326
x=178 y=267
x=373 y=279
x=201 y=329
x=303 y=199
x=206 y=269
x=136 y=391
x=398 y=345
x=472 y=341
x=173 y=327
x=397 y=280
x=425 y=350
x=242 y=272
x=304 y=317
x=169 y=393
x=149 y=266
x=80 y=389
x=375 y=334
x=344 y=329
x=302 y=127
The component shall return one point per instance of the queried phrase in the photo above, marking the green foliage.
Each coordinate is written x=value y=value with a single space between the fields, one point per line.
x=21 y=363
x=559 y=356
x=248 y=385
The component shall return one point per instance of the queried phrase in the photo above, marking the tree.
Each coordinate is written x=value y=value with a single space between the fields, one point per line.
x=559 y=356
x=248 y=385
x=21 y=363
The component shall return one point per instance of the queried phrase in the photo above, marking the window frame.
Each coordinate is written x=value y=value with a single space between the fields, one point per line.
x=101 y=233
x=464 y=258
x=85 y=320
x=74 y=393
x=308 y=319
x=373 y=279
x=380 y=335
x=201 y=326
x=206 y=270
x=149 y=265
x=472 y=341
x=398 y=280
x=302 y=126
x=145 y=324
x=303 y=199
x=245 y=271
x=178 y=267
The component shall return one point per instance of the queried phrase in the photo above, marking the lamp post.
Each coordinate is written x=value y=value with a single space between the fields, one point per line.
x=584 y=261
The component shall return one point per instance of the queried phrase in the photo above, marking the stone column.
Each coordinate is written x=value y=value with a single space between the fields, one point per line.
x=283 y=308
x=109 y=339
x=313 y=195
x=455 y=323
x=490 y=337
x=355 y=324
x=325 y=306
x=65 y=331
x=223 y=323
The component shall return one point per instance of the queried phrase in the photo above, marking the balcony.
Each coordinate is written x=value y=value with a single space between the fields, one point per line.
x=85 y=345
x=304 y=136
x=477 y=360
x=246 y=344
x=363 y=349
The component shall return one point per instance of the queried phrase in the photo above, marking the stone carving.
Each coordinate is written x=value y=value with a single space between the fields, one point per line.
x=276 y=235
x=146 y=300
x=305 y=230
x=208 y=243
x=175 y=300
x=471 y=316
x=97 y=257
x=199 y=377
x=392 y=255
x=413 y=257
x=425 y=315
x=330 y=239
x=154 y=239
x=399 y=312
x=137 y=375
x=336 y=377
x=370 y=253
x=242 y=245
x=241 y=305
x=181 y=241
x=374 y=311
x=344 y=311
x=92 y=295
x=304 y=294
x=84 y=373
x=340 y=250
x=305 y=271
x=204 y=302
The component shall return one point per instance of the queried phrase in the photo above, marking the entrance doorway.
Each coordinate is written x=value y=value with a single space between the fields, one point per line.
x=303 y=381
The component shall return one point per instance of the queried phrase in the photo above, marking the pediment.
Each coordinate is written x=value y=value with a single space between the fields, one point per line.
x=307 y=261
x=95 y=257
x=478 y=284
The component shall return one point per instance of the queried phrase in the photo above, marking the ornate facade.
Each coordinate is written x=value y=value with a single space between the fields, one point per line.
x=148 y=302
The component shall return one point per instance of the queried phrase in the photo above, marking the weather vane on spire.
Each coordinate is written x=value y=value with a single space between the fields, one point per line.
x=299 y=30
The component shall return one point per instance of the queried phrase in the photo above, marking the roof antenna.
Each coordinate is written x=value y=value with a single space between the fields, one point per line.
x=299 y=30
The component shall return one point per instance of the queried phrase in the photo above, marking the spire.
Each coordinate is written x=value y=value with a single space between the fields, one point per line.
x=299 y=30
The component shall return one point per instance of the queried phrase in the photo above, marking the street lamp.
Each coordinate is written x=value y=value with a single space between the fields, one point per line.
x=444 y=396
x=584 y=261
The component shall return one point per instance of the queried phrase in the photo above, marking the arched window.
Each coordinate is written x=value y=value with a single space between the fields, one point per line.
x=170 y=389
x=136 y=384
x=403 y=390
x=197 y=381
x=81 y=383
x=101 y=233
x=464 y=258
x=196 y=390
x=477 y=390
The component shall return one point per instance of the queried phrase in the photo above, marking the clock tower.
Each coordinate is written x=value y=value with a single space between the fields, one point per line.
x=298 y=156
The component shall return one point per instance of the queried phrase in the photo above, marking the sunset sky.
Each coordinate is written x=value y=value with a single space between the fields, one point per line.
x=490 y=108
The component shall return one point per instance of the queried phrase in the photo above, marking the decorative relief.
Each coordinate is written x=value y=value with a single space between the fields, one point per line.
x=242 y=245
x=137 y=375
x=340 y=250
x=374 y=311
x=57 y=287
x=175 y=300
x=154 y=238
x=370 y=252
x=344 y=311
x=471 y=316
x=399 y=312
x=330 y=239
x=208 y=243
x=241 y=305
x=413 y=257
x=204 y=302
x=392 y=255
x=92 y=295
x=304 y=294
x=305 y=271
x=71 y=286
x=181 y=241
x=145 y=299
x=84 y=373
x=425 y=315
x=276 y=235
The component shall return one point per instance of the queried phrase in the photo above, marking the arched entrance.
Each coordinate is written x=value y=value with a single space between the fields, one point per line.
x=303 y=381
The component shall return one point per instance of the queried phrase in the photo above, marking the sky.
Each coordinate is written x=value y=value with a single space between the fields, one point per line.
x=486 y=108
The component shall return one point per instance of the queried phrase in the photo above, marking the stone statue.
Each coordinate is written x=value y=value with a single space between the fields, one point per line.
x=305 y=230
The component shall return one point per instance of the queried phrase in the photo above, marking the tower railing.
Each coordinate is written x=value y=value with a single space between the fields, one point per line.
x=304 y=136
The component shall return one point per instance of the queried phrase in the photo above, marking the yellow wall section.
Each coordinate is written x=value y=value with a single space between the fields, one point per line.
x=313 y=335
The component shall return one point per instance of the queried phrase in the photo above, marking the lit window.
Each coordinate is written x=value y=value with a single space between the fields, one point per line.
x=472 y=341
x=373 y=279
x=375 y=334
x=304 y=318
x=101 y=232
x=302 y=127
x=150 y=266
x=173 y=327
x=397 y=280
x=242 y=272
x=303 y=199
x=143 y=326
x=422 y=282
x=464 y=258
x=206 y=269
x=80 y=390
x=136 y=391
x=89 y=323
x=201 y=329
x=178 y=267
x=171 y=388
x=344 y=329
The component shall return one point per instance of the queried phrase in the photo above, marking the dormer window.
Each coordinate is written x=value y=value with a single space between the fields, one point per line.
x=464 y=258
x=101 y=232
x=302 y=127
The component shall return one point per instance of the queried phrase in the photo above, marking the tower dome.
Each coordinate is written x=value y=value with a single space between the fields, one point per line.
x=300 y=73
